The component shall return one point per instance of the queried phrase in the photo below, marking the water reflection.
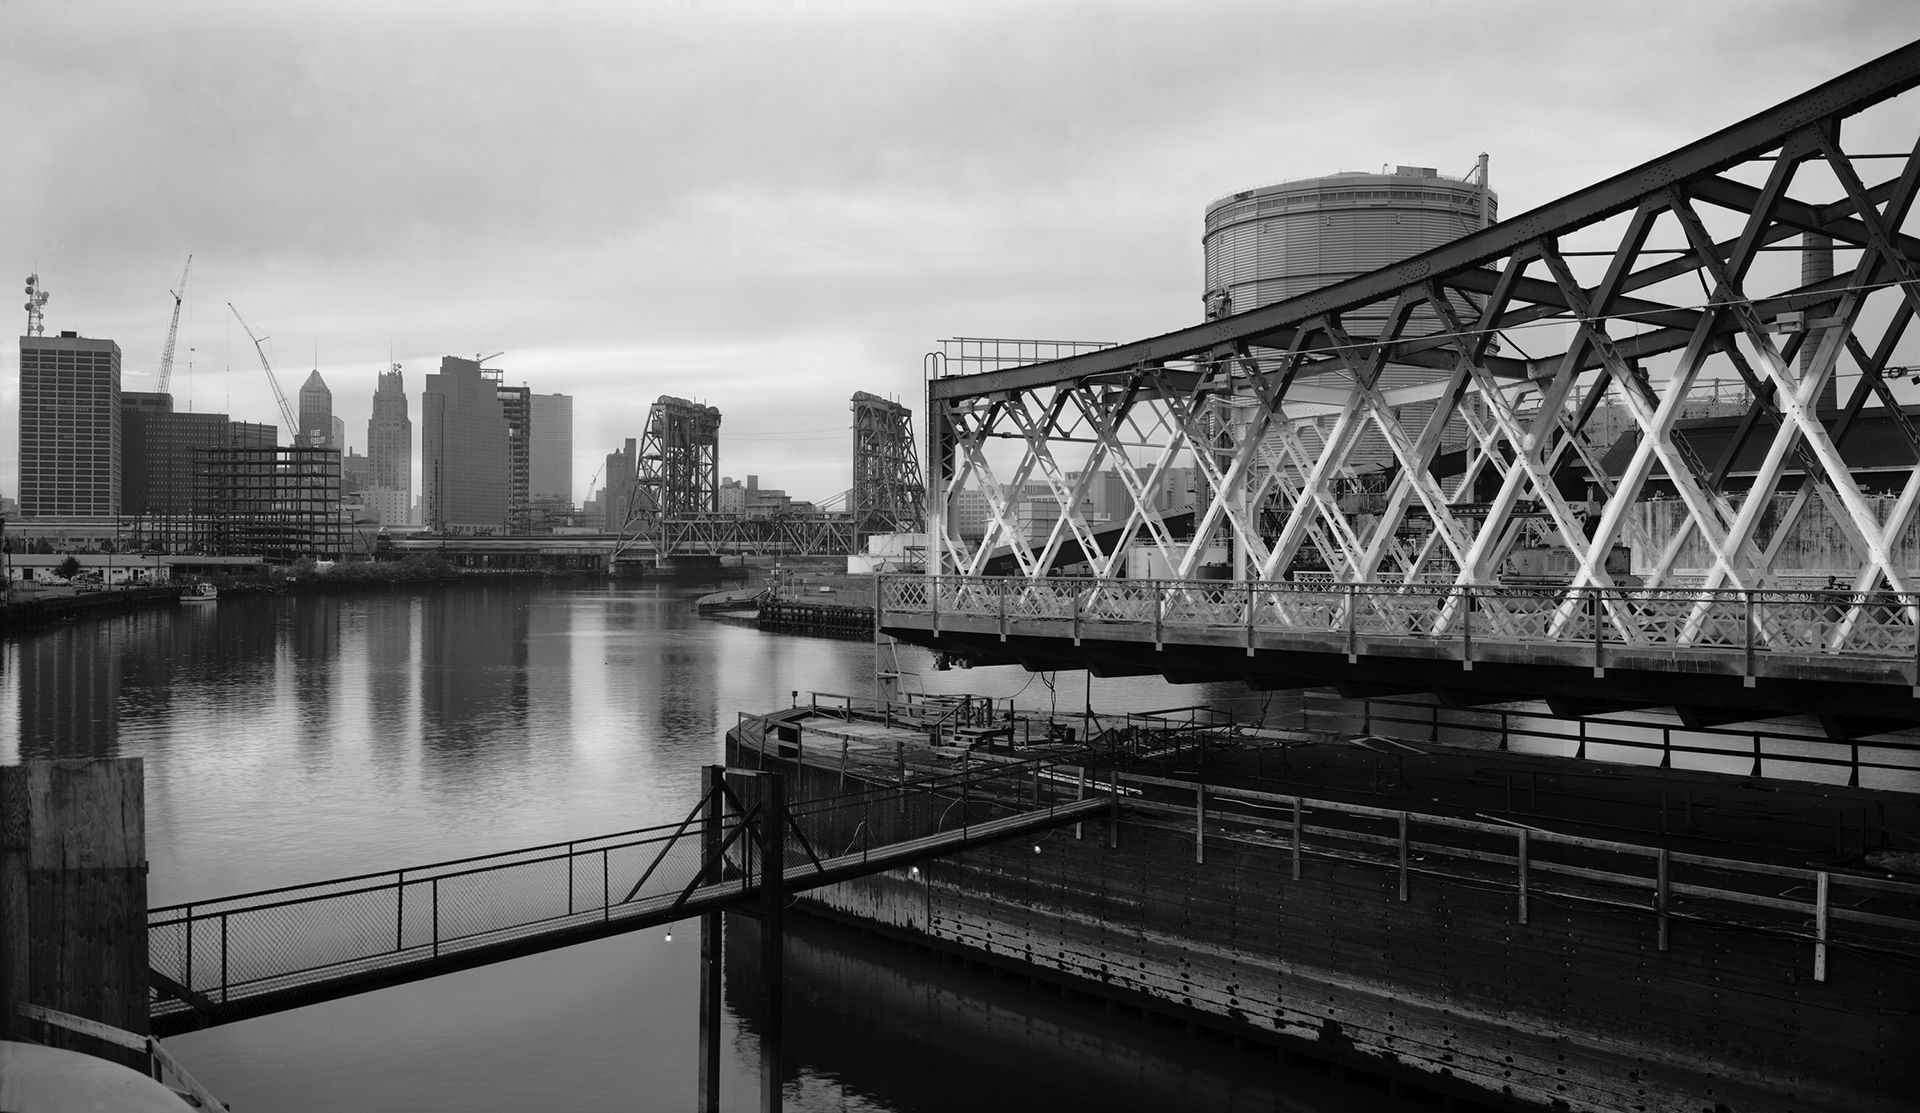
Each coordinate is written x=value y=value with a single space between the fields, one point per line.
x=289 y=740
x=68 y=696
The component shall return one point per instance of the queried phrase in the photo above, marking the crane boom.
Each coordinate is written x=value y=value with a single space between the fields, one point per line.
x=286 y=411
x=173 y=328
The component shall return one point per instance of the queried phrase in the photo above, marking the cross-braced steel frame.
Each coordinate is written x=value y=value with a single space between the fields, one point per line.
x=1617 y=306
x=888 y=495
x=677 y=471
x=680 y=458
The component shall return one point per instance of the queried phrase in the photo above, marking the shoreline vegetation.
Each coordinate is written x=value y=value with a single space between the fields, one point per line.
x=29 y=609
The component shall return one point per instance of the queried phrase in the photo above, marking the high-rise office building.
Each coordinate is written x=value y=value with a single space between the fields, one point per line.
x=389 y=491
x=69 y=426
x=622 y=470
x=316 y=414
x=163 y=454
x=463 y=450
x=516 y=407
x=141 y=412
x=552 y=449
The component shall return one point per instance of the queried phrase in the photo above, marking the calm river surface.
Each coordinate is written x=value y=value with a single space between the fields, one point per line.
x=295 y=739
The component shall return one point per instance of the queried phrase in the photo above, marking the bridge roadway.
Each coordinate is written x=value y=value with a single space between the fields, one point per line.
x=218 y=961
x=1714 y=656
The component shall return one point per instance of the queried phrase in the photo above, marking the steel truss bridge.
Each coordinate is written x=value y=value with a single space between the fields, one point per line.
x=1457 y=529
x=672 y=501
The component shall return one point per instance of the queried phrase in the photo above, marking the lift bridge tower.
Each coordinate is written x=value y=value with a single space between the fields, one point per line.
x=676 y=475
x=888 y=495
x=680 y=459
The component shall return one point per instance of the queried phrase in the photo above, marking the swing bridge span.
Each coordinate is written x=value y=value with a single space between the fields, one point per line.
x=1472 y=473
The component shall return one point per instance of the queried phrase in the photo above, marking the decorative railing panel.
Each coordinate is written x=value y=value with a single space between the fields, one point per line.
x=1877 y=625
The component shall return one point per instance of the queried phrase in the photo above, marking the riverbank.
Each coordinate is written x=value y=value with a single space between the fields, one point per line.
x=28 y=611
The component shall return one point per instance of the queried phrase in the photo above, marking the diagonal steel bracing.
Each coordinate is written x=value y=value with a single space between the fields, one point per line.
x=1523 y=405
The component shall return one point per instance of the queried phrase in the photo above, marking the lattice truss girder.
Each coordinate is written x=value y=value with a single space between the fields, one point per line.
x=1440 y=448
x=788 y=534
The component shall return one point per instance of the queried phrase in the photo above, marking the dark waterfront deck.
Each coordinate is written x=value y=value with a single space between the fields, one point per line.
x=1523 y=931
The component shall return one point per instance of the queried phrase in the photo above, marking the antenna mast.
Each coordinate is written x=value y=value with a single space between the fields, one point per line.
x=36 y=297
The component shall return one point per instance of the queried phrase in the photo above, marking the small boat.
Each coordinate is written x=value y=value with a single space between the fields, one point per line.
x=740 y=599
x=200 y=593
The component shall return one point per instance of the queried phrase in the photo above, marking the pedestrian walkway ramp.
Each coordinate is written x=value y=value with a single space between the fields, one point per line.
x=216 y=961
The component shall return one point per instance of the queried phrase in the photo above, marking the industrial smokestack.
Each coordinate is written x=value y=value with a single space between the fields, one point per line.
x=1816 y=265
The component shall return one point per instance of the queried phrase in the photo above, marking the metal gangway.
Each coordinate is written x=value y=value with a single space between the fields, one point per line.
x=225 y=959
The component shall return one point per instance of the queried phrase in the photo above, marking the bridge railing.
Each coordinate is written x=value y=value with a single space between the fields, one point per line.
x=1862 y=624
x=219 y=949
x=207 y=954
x=880 y=815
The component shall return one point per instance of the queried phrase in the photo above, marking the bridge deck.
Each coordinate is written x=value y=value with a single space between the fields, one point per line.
x=1753 y=653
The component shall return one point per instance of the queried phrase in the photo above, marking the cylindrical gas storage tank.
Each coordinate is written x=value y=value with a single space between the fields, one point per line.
x=1280 y=241
x=1268 y=244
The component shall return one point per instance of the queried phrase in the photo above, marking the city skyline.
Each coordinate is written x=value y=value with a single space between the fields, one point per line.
x=788 y=203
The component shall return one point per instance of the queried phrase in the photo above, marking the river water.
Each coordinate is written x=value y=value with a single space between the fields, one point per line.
x=292 y=739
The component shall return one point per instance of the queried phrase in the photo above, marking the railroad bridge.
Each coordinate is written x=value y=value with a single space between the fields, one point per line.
x=1414 y=479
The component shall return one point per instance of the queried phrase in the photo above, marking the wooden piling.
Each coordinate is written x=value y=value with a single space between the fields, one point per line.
x=73 y=896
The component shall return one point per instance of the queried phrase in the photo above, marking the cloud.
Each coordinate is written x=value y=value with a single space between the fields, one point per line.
x=771 y=205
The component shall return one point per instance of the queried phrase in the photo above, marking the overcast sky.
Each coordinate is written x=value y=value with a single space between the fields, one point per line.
x=769 y=206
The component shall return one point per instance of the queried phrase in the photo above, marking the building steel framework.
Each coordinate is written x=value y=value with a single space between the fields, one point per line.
x=1671 y=280
x=888 y=495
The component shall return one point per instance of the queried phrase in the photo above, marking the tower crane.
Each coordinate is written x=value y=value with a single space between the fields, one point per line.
x=173 y=327
x=286 y=411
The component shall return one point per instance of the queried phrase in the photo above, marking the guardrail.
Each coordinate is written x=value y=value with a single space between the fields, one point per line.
x=1822 y=909
x=1880 y=625
x=218 y=950
x=1891 y=761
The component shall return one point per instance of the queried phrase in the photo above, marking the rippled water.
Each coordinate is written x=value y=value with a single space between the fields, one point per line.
x=294 y=739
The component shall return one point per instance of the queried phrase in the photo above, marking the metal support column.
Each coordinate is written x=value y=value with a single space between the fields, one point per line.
x=712 y=1008
x=773 y=977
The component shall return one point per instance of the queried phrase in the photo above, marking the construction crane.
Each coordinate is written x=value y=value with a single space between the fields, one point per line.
x=173 y=327
x=286 y=411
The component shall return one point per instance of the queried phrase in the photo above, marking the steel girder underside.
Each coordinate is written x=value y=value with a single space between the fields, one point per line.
x=1436 y=449
x=1846 y=707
